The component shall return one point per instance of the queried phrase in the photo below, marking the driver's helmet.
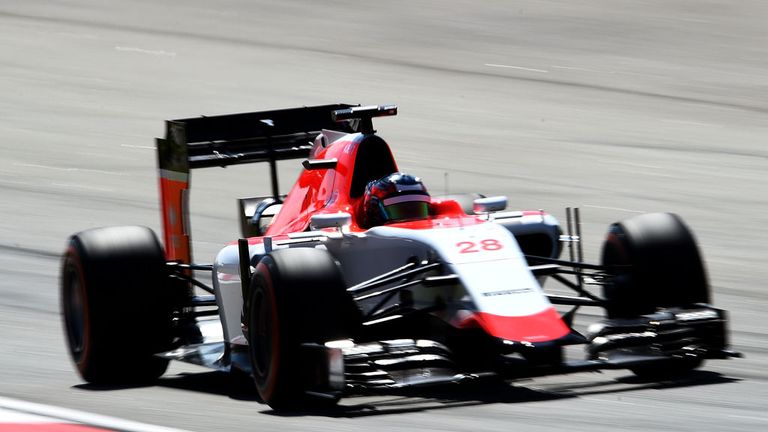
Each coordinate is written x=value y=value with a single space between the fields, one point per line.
x=396 y=197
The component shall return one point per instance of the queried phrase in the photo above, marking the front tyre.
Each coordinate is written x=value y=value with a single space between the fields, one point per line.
x=297 y=296
x=655 y=262
x=112 y=335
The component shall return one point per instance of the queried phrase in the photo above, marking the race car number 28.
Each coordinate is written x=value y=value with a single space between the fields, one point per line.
x=474 y=247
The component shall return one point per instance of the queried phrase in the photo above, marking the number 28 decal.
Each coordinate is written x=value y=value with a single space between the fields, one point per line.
x=483 y=245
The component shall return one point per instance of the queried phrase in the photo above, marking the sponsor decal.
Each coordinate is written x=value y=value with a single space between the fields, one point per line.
x=508 y=292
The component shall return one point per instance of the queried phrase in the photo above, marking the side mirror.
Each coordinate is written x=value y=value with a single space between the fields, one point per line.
x=489 y=205
x=256 y=214
x=264 y=215
x=331 y=220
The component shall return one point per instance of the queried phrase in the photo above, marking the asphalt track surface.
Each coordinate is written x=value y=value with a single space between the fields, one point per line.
x=614 y=106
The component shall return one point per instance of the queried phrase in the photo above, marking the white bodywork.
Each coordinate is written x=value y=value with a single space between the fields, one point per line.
x=493 y=272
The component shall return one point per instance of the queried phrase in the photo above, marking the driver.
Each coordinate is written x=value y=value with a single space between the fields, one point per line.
x=397 y=197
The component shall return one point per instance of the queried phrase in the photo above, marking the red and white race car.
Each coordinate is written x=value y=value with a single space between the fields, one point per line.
x=359 y=280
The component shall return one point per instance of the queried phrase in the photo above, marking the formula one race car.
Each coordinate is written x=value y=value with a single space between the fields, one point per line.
x=359 y=280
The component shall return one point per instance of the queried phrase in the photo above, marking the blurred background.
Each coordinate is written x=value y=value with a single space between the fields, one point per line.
x=615 y=106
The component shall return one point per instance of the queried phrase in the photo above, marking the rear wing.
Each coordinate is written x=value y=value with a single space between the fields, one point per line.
x=219 y=141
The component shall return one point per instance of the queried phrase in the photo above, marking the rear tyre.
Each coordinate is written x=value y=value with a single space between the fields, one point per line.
x=655 y=263
x=297 y=296
x=111 y=335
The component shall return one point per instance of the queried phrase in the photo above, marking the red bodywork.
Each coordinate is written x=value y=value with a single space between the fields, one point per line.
x=340 y=190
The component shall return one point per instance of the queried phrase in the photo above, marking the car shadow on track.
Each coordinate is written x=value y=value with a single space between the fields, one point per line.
x=429 y=399
x=215 y=383
x=481 y=392
x=494 y=392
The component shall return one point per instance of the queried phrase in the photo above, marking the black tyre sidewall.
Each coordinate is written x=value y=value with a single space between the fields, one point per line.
x=656 y=264
x=127 y=308
x=269 y=367
x=309 y=304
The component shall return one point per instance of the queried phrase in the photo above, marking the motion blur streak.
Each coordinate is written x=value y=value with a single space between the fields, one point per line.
x=657 y=105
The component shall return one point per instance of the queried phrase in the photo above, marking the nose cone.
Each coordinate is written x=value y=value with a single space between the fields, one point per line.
x=541 y=327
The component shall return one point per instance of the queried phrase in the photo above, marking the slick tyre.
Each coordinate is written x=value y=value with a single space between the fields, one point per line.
x=655 y=263
x=111 y=331
x=297 y=296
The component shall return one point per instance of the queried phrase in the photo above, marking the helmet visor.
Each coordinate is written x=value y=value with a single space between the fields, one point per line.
x=416 y=207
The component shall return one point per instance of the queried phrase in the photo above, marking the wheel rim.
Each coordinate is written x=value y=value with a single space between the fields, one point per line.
x=74 y=313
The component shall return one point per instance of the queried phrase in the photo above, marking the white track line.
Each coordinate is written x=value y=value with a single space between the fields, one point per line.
x=82 y=417
x=138 y=146
x=516 y=67
x=761 y=419
x=581 y=69
x=15 y=417
x=146 y=51
x=612 y=208
x=68 y=169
